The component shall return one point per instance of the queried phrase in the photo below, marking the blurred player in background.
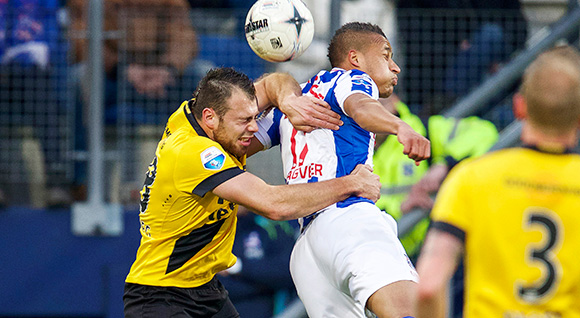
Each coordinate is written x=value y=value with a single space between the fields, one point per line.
x=452 y=140
x=514 y=212
x=197 y=178
x=348 y=258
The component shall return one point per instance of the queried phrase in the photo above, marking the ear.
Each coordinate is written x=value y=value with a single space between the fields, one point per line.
x=520 y=106
x=209 y=118
x=354 y=58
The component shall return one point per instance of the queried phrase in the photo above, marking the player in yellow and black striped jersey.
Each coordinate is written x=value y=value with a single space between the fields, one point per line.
x=194 y=183
x=186 y=163
x=515 y=212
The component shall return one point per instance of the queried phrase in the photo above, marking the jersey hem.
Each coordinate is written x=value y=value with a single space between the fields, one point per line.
x=132 y=280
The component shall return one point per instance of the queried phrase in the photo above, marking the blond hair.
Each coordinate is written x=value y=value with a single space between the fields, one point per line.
x=551 y=88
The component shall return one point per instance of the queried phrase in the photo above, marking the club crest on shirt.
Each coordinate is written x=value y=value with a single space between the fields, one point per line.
x=362 y=82
x=212 y=158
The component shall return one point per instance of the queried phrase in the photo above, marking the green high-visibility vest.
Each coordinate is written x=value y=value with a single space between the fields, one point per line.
x=452 y=140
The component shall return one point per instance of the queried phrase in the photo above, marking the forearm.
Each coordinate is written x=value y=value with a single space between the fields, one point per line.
x=437 y=262
x=299 y=200
x=432 y=306
x=271 y=89
x=287 y=202
x=372 y=116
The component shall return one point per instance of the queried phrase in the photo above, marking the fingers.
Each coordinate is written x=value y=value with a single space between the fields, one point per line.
x=322 y=115
x=307 y=113
x=370 y=187
x=417 y=148
x=361 y=167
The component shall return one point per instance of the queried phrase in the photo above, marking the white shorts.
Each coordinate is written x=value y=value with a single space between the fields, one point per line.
x=344 y=256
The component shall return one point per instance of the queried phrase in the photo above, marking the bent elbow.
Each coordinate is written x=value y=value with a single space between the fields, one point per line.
x=276 y=214
x=426 y=293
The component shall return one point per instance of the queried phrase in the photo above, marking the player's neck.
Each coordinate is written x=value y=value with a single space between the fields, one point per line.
x=206 y=129
x=533 y=136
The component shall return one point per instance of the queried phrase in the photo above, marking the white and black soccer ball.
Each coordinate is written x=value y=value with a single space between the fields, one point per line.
x=279 y=30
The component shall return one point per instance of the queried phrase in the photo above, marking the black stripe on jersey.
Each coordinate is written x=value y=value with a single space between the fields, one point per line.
x=451 y=229
x=215 y=180
x=187 y=246
x=193 y=122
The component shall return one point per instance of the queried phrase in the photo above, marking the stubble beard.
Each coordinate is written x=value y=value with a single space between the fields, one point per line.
x=229 y=144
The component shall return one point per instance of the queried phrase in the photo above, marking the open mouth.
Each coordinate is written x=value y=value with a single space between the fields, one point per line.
x=246 y=141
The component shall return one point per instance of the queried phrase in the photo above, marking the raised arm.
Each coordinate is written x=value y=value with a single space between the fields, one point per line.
x=372 y=116
x=306 y=113
x=287 y=202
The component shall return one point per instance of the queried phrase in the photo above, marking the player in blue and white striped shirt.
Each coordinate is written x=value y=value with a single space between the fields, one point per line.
x=348 y=260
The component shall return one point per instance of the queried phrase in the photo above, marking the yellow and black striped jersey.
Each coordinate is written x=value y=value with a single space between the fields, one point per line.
x=517 y=211
x=187 y=232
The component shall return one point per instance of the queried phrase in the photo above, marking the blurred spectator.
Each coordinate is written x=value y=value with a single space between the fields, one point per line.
x=30 y=49
x=148 y=64
x=450 y=51
x=452 y=140
x=160 y=46
x=259 y=284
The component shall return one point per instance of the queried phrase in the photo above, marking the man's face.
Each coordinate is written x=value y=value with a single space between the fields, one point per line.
x=237 y=127
x=377 y=62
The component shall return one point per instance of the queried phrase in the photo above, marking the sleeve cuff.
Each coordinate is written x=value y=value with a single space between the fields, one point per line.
x=215 y=180
x=262 y=136
x=451 y=229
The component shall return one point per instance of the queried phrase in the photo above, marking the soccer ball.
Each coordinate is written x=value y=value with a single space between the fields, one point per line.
x=279 y=30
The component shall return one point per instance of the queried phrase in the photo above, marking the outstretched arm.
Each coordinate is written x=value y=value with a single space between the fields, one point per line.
x=306 y=113
x=287 y=202
x=372 y=116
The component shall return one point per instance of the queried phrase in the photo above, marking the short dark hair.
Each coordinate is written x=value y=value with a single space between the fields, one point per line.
x=348 y=37
x=216 y=87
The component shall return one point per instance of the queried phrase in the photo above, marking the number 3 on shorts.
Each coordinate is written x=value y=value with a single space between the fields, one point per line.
x=541 y=255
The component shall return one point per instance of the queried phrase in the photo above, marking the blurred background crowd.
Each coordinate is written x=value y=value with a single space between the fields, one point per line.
x=154 y=53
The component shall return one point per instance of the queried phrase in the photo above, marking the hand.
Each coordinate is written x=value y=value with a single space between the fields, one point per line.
x=416 y=146
x=417 y=198
x=420 y=194
x=136 y=76
x=307 y=113
x=432 y=180
x=369 y=184
x=158 y=79
x=151 y=81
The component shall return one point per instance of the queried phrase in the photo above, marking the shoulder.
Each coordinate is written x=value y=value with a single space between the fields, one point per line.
x=187 y=146
x=360 y=81
x=194 y=145
x=488 y=164
x=356 y=74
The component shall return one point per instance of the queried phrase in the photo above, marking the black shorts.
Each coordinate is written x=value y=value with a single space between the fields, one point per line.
x=209 y=300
